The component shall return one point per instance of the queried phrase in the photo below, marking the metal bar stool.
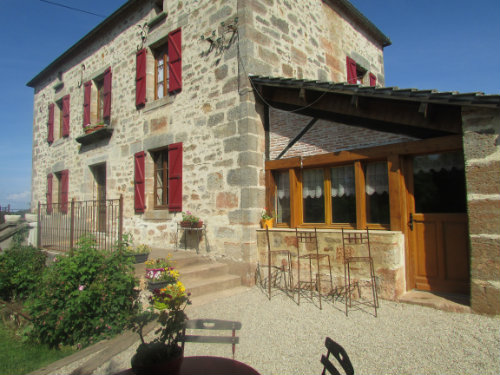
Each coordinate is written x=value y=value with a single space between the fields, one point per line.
x=358 y=239
x=313 y=283
x=284 y=267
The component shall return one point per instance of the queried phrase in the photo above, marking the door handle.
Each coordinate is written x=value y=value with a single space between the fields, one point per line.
x=411 y=221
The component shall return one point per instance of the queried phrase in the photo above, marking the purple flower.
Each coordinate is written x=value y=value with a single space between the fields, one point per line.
x=81 y=287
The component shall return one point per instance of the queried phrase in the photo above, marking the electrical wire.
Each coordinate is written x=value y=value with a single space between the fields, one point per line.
x=71 y=8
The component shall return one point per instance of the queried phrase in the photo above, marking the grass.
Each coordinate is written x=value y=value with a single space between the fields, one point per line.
x=17 y=357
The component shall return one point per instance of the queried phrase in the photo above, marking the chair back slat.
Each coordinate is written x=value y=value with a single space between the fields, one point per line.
x=211 y=324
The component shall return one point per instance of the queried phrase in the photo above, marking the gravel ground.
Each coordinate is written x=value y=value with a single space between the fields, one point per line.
x=279 y=337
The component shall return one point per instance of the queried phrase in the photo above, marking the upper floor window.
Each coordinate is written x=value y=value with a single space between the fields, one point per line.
x=161 y=72
x=166 y=64
x=97 y=100
x=356 y=74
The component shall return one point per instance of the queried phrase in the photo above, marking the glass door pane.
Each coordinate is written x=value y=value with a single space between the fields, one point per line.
x=439 y=183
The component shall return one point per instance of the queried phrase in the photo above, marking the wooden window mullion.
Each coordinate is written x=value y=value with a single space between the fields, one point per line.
x=328 y=196
x=359 y=176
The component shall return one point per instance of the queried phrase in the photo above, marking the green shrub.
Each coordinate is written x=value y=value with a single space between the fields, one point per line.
x=21 y=269
x=85 y=296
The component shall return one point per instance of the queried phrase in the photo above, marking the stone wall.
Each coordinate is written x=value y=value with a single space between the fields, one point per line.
x=482 y=162
x=215 y=116
x=387 y=249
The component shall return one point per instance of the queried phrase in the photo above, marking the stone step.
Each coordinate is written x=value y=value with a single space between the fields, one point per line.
x=198 y=287
x=203 y=270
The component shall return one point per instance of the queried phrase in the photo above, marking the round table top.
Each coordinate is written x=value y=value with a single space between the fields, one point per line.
x=207 y=365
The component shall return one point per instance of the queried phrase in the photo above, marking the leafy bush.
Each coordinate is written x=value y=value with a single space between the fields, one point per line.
x=85 y=296
x=21 y=269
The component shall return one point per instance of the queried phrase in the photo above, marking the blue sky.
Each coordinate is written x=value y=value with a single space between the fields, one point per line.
x=448 y=45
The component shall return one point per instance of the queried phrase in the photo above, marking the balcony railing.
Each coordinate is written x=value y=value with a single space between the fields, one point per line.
x=61 y=225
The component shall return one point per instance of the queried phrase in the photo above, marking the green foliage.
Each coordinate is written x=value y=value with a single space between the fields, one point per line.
x=21 y=269
x=83 y=297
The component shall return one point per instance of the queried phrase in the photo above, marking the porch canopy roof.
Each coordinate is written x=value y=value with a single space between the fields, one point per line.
x=418 y=113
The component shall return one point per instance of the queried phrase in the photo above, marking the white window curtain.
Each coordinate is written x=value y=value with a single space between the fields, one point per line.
x=312 y=183
x=283 y=185
x=343 y=181
x=376 y=178
x=438 y=162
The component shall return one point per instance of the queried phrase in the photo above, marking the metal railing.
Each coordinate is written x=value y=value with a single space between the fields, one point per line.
x=61 y=225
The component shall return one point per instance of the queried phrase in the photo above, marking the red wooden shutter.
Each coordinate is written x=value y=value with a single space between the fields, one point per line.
x=86 y=102
x=351 y=71
x=49 y=193
x=64 y=191
x=106 y=93
x=139 y=201
x=50 y=124
x=175 y=60
x=140 y=78
x=65 y=105
x=175 y=177
x=373 y=79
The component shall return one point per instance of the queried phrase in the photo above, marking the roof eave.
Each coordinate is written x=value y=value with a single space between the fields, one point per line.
x=364 y=21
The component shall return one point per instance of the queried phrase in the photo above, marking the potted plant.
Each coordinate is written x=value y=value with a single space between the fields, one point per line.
x=190 y=221
x=266 y=220
x=141 y=253
x=162 y=355
x=90 y=128
x=163 y=278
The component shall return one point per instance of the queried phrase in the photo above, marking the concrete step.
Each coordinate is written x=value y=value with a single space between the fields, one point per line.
x=203 y=270
x=198 y=287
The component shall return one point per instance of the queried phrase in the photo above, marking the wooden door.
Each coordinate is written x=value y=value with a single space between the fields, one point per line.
x=438 y=235
x=100 y=179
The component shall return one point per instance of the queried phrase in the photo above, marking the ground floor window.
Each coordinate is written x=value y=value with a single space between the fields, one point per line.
x=160 y=159
x=282 y=202
x=327 y=196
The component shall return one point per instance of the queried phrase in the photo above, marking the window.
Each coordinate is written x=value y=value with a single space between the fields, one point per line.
x=160 y=159
x=313 y=199
x=377 y=193
x=161 y=73
x=356 y=73
x=167 y=176
x=99 y=83
x=59 y=105
x=97 y=100
x=282 y=197
x=61 y=193
x=343 y=192
x=328 y=196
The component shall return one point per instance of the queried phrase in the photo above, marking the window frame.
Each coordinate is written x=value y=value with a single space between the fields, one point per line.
x=163 y=155
x=161 y=53
x=296 y=195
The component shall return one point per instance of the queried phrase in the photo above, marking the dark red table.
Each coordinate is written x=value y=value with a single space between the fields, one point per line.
x=205 y=365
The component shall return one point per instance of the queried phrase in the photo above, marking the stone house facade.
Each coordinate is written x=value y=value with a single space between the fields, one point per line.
x=156 y=105
x=212 y=114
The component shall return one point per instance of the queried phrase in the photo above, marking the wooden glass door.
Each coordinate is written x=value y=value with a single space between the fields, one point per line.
x=438 y=235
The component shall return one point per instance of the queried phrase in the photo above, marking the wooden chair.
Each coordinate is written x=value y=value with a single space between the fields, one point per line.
x=314 y=283
x=358 y=240
x=211 y=324
x=285 y=267
x=340 y=355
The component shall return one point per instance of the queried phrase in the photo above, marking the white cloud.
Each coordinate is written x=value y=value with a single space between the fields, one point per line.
x=25 y=195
